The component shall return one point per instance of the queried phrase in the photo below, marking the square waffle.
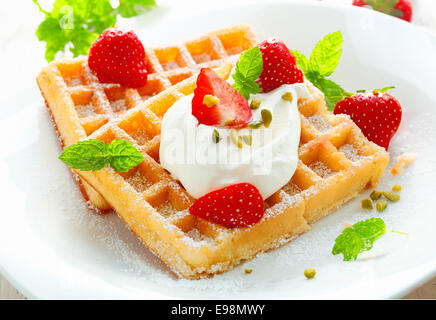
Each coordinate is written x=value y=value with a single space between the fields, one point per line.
x=335 y=163
x=79 y=104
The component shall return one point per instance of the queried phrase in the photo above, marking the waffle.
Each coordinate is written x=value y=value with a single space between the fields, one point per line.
x=335 y=163
x=79 y=104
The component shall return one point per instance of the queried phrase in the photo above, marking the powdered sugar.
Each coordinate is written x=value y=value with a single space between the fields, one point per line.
x=321 y=169
x=319 y=123
x=350 y=152
x=201 y=58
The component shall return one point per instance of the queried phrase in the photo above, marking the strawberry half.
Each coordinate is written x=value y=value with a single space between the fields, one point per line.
x=279 y=66
x=230 y=108
x=376 y=113
x=398 y=8
x=117 y=56
x=235 y=206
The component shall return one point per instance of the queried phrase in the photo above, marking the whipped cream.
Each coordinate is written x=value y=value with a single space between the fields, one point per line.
x=188 y=152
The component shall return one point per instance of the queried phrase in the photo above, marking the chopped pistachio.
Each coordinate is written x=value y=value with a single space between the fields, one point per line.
x=375 y=195
x=216 y=136
x=266 y=117
x=381 y=205
x=248 y=271
x=255 y=104
x=367 y=204
x=391 y=196
x=210 y=100
x=310 y=273
x=288 y=96
x=237 y=140
x=255 y=124
x=396 y=188
x=248 y=139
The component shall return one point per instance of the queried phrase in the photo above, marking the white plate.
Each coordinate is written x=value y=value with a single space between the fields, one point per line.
x=53 y=247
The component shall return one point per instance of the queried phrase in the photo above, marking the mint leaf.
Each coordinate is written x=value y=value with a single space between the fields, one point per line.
x=75 y=24
x=248 y=69
x=124 y=156
x=302 y=61
x=359 y=238
x=132 y=8
x=88 y=155
x=326 y=54
x=333 y=93
x=92 y=155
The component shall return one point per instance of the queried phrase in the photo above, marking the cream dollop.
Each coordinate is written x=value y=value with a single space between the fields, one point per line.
x=188 y=150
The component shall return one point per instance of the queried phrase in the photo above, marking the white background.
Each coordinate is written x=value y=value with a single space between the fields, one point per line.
x=21 y=53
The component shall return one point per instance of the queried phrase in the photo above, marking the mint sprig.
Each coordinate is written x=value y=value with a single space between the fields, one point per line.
x=248 y=69
x=92 y=155
x=360 y=237
x=322 y=63
x=75 y=24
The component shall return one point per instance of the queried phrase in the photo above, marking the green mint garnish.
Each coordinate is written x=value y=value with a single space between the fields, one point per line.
x=323 y=62
x=360 y=237
x=92 y=155
x=248 y=69
x=77 y=23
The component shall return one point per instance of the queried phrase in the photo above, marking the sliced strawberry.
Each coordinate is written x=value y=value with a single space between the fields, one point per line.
x=279 y=66
x=235 y=206
x=398 y=8
x=231 y=110
x=117 y=56
x=377 y=114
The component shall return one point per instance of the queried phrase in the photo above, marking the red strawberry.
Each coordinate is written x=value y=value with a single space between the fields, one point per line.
x=397 y=8
x=377 y=114
x=117 y=56
x=229 y=109
x=235 y=206
x=279 y=66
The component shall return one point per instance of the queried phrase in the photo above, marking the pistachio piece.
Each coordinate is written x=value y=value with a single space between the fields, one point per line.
x=375 y=195
x=266 y=117
x=216 y=136
x=255 y=124
x=255 y=104
x=310 y=273
x=248 y=271
x=288 y=96
x=248 y=139
x=237 y=140
x=381 y=205
x=367 y=204
x=210 y=100
x=391 y=196
x=396 y=188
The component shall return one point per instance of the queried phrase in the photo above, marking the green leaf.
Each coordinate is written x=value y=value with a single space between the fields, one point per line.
x=86 y=155
x=302 y=61
x=124 y=156
x=333 y=93
x=92 y=155
x=359 y=238
x=132 y=8
x=326 y=54
x=248 y=69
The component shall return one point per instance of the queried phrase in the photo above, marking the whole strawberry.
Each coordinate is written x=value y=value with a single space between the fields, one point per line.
x=279 y=66
x=234 y=206
x=376 y=113
x=398 y=8
x=117 y=56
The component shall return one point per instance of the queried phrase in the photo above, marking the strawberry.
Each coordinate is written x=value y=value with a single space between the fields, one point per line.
x=279 y=66
x=226 y=108
x=117 y=56
x=398 y=8
x=376 y=113
x=235 y=206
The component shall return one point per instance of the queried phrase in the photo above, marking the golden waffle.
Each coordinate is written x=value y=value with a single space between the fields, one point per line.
x=335 y=163
x=80 y=104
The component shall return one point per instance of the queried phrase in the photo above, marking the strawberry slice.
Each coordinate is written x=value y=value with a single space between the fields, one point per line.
x=279 y=66
x=217 y=103
x=235 y=206
x=117 y=56
x=376 y=113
